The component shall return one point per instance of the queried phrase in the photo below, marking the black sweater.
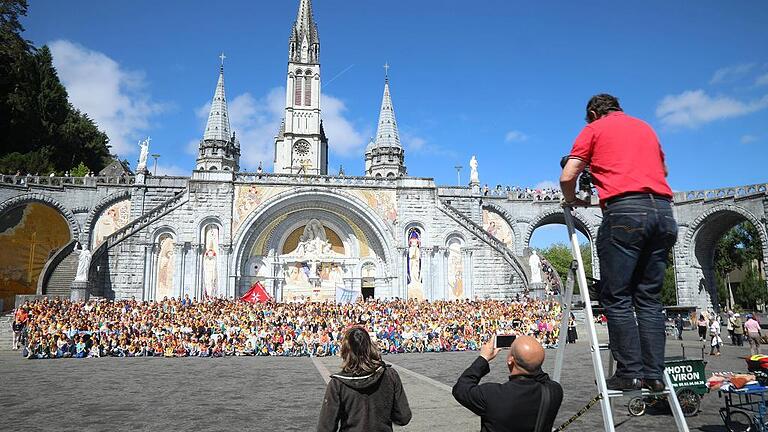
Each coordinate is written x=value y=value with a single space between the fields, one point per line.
x=509 y=407
x=368 y=403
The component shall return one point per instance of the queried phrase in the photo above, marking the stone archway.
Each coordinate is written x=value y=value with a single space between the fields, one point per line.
x=31 y=231
x=360 y=232
x=582 y=225
x=701 y=240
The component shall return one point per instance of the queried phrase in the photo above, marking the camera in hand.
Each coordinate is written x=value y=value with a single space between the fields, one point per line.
x=585 y=179
x=504 y=341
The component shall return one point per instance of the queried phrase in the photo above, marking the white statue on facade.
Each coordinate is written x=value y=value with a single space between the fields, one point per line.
x=313 y=241
x=535 y=263
x=414 y=267
x=83 y=264
x=474 y=177
x=210 y=261
x=143 y=153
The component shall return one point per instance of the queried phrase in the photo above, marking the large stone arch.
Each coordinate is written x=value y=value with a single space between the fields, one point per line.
x=556 y=216
x=376 y=230
x=100 y=207
x=11 y=203
x=700 y=240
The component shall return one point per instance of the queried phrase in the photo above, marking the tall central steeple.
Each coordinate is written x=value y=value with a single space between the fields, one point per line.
x=384 y=156
x=301 y=146
x=219 y=149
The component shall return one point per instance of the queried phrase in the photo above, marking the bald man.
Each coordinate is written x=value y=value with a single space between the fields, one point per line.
x=528 y=402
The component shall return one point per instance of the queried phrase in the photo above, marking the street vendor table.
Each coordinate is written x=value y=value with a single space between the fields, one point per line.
x=744 y=409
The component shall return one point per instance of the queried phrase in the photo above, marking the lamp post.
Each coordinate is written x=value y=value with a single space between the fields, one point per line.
x=155 y=156
x=458 y=174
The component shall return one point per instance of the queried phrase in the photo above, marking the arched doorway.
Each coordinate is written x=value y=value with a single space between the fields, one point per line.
x=30 y=234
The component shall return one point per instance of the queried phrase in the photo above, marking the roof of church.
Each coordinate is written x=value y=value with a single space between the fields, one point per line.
x=387 y=134
x=217 y=127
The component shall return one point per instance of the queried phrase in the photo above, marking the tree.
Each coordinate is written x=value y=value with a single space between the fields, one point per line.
x=79 y=171
x=40 y=131
x=669 y=288
x=740 y=247
x=560 y=256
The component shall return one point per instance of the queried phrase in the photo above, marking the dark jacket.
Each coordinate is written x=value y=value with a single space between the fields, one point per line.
x=367 y=403
x=512 y=406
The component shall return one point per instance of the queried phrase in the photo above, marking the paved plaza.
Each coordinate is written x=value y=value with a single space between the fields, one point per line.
x=281 y=394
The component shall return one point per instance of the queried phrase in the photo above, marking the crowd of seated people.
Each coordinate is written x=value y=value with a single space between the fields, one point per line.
x=218 y=327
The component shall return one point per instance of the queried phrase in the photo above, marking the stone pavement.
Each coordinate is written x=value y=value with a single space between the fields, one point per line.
x=281 y=394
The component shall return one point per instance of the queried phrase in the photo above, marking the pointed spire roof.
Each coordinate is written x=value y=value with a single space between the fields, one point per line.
x=217 y=127
x=387 y=134
x=304 y=31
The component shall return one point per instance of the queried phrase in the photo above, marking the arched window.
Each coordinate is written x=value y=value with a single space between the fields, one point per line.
x=308 y=89
x=297 y=89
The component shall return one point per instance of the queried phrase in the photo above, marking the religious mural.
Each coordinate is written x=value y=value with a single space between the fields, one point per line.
x=211 y=262
x=455 y=270
x=248 y=198
x=29 y=235
x=166 y=266
x=383 y=202
x=498 y=227
x=415 y=288
x=110 y=220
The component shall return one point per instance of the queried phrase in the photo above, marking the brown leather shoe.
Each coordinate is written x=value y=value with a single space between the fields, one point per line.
x=654 y=385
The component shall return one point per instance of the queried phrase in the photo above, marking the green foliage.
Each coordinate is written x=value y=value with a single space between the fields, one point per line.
x=40 y=131
x=79 y=171
x=669 y=288
x=560 y=256
x=738 y=248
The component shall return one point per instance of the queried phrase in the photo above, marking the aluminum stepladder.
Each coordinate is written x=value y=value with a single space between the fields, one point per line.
x=577 y=273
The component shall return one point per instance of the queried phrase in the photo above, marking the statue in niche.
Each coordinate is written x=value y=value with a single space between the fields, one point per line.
x=414 y=265
x=210 y=261
x=83 y=264
x=313 y=241
x=535 y=263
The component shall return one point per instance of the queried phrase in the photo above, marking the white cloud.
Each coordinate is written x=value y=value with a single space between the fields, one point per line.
x=748 y=139
x=169 y=170
x=762 y=80
x=416 y=144
x=694 y=107
x=515 y=136
x=111 y=95
x=547 y=184
x=343 y=138
x=413 y=143
x=192 y=146
x=731 y=73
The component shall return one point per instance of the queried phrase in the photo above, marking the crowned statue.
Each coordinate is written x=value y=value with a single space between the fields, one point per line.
x=83 y=264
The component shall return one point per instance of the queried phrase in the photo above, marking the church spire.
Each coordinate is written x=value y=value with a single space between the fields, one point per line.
x=217 y=127
x=219 y=148
x=384 y=156
x=304 y=43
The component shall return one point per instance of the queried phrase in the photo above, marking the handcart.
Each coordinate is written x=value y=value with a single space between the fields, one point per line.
x=744 y=409
x=689 y=381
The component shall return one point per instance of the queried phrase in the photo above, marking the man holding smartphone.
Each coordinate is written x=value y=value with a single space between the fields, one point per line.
x=636 y=234
x=528 y=402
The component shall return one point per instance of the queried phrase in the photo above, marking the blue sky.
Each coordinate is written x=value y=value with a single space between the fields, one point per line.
x=504 y=80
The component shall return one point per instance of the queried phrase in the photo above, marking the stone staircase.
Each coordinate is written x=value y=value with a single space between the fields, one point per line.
x=477 y=230
x=6 y=333
x=61 y=279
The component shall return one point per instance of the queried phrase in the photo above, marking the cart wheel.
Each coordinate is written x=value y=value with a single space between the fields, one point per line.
x=689 y=402
x=738 y=421
x=636 y=407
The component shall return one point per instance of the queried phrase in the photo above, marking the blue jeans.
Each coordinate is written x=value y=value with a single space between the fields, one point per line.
x=633 y=242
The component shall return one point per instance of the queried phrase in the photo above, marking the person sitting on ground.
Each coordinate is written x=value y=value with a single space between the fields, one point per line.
x=528 y=402
x=367 y=395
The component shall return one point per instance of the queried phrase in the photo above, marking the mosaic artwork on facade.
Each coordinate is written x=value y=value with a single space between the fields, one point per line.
x=166 y=266
x=211 y=262
x=248 y=198
x=111 y=220
x=498 y=227
x=415 y=288
x=383 y=202
x=29 y=235
x=455 y=270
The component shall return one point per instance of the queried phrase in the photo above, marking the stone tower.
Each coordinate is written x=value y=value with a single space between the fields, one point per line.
x=384 y=156
x=301 y=146
x=219 y=149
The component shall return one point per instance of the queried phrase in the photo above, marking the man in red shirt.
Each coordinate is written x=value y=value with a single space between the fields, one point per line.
x=637 y=232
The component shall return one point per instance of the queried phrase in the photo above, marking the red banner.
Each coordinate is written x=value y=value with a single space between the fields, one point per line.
x=257 y=294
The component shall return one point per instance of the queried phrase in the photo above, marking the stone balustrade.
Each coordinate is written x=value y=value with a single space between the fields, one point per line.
x=309 y=180
x=720 y=193
x=57 y=181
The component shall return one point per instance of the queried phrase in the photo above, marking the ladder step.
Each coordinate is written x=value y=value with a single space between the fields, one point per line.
x=636 y=393
x=603 y=347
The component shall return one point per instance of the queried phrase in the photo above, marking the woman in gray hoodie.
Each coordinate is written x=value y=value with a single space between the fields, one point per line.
x=367 y=395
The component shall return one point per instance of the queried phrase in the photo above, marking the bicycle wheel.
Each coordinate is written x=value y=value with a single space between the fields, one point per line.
x=738 y=421
x=636 y=407
x=689 y=402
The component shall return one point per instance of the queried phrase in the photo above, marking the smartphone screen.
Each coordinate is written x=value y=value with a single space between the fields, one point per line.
x=504 y=341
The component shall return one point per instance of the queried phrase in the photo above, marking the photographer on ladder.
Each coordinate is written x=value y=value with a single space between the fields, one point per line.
x=636 y=234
